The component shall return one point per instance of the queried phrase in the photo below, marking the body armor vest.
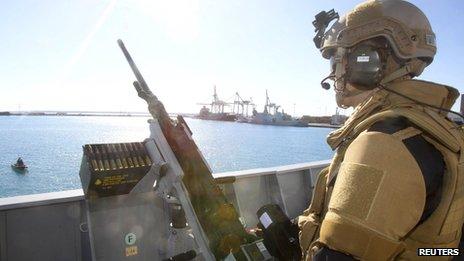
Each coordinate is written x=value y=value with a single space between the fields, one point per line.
x=440 y=230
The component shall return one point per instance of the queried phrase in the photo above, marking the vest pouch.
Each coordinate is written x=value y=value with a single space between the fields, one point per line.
x=309 y=226
x=310 y=222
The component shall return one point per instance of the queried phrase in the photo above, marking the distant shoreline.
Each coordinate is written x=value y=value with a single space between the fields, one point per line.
x=88 y=114
x=319 y=121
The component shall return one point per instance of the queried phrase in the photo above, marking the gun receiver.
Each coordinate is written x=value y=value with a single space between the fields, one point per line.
x=217 y=217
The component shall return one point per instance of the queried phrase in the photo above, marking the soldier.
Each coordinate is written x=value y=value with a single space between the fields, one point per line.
x=19 y=162
x=396 y=181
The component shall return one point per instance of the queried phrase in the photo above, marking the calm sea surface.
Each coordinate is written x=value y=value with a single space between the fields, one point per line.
x=52 y=147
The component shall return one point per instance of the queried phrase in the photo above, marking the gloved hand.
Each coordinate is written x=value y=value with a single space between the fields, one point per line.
x=282 y=243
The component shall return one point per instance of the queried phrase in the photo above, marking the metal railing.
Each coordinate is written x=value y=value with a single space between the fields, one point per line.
x=49 y=226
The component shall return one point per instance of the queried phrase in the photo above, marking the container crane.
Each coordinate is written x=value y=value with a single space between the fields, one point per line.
x=217 y=105
x=242 y=104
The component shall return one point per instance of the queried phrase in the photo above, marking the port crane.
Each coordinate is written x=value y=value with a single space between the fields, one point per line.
x=242 y=105
x=270 y=107
x=217 y=105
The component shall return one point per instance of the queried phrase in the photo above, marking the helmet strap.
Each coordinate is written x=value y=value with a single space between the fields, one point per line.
x=404 y=70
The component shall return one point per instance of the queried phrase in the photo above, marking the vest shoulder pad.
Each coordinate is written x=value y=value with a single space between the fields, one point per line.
x=378 y=197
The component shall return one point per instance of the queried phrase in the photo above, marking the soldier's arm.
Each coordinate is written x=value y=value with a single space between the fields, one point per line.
x=379 y=196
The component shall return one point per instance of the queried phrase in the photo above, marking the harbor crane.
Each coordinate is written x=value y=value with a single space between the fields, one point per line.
x=270 y=106
x=217 y=105
x=242 y=105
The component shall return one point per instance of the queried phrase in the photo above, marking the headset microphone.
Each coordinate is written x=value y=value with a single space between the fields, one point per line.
x=325 y=85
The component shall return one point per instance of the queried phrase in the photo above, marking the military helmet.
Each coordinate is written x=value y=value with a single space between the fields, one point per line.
x=405 y=26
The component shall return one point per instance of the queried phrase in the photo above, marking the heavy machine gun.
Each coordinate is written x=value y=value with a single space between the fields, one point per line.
x=158 y=200
x=218 y=218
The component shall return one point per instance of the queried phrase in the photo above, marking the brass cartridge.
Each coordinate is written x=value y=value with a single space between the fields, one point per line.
x=144 y=151
x=110 y=156
x=127 y=155
x=133 y=155
x=105 y=159
x=91 y=156
x=139 y=153
x=122 y=157
x=116 y=156
x=98 y=157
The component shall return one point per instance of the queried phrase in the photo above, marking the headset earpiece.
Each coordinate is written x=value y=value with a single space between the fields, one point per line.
x=365 y=67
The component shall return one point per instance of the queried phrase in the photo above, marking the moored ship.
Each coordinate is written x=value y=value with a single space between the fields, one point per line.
x=272 y=116
x=206 y=114
x=216 y=110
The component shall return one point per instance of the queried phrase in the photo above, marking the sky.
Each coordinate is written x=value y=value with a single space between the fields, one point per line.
x=62 y=55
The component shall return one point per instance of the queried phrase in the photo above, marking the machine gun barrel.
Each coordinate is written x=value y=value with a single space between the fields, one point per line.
x=134 y=68
x=155 y=107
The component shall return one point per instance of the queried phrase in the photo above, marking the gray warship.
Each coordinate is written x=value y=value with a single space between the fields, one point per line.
x=272 y=116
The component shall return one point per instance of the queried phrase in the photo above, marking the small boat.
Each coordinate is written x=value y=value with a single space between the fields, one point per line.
x=19 y=168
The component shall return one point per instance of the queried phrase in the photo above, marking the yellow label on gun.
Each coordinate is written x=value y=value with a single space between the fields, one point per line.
x=132 y=251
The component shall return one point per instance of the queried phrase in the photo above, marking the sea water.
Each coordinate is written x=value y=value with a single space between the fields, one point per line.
x=52 y=147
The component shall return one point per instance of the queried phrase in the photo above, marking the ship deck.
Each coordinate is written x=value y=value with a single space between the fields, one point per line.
x=52 y=226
